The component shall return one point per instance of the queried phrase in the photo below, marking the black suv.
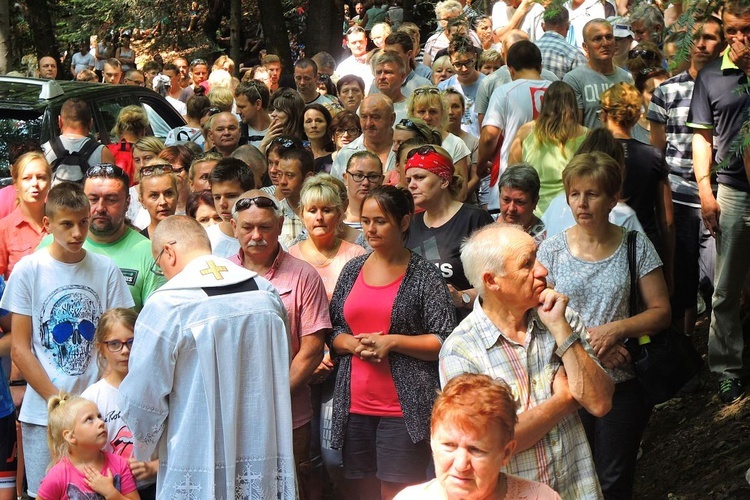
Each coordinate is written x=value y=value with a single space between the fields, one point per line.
x=29 y=108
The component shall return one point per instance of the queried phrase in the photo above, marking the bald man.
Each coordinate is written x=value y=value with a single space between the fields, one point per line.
x=213 y=325
x=225 y=133
x=377 y=117
x=48 y=68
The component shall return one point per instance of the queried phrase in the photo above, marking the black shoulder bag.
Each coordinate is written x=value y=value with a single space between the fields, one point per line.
x=666 y=361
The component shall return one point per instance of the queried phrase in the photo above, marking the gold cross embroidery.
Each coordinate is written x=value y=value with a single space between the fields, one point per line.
x=215 y=270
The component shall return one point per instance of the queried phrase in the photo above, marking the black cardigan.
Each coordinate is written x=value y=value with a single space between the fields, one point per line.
x=422 y=305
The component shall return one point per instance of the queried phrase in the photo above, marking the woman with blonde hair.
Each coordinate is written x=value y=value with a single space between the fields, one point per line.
x=144 y=150
x=442 y=69
x=132 y=125
x=23 y=229
x=323 y=210
x=157 y=192
x=429 y=104
x=646 y=185
x=549 y=142
x=221 y=98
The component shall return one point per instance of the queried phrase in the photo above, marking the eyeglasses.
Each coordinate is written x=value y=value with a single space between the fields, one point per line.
x=648 y=55
x=161 y=168
x=117 y=345
x=371 y=178
x=139 y=83
x=108 y=170
x=427 y=90
x=198 y=62
x=258 y=201
x=350 y=131
x=407 y=123
x=155 y=268
x=469 y=64
x=422 y=150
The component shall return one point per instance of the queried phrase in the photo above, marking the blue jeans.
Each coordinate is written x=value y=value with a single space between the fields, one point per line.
x=614 y=439
x=725 y=342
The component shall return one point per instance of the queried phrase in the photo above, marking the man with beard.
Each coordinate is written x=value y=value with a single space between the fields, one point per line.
x=106 y=187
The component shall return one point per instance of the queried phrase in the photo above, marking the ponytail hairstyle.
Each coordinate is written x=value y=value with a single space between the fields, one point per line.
x=63 y=409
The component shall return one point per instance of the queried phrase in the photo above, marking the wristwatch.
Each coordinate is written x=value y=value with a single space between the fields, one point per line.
x=574 y=337
x=465 y=299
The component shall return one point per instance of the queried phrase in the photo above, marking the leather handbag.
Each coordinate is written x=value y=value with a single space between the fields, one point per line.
x=664 y=362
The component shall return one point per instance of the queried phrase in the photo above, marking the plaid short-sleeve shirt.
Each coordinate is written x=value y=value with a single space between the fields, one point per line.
x=562 y=458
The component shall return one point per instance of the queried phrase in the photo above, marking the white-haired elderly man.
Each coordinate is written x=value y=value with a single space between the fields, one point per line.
x=523 y=333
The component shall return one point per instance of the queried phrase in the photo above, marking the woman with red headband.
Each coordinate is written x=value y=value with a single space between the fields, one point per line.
x=436 y=234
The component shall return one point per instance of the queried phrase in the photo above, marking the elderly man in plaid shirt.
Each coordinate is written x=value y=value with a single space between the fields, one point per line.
x=558 y=56
x=523 y=333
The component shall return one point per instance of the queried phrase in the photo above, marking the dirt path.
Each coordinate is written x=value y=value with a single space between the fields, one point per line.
x=693 y=447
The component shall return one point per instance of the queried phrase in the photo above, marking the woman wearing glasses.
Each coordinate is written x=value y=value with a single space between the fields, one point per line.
x=157 y=192
x=317 y=125
x=390 y=313
x=345 y=128
x=437 y=233
x=429 y=104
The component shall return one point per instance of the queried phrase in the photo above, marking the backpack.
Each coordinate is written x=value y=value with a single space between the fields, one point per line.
x=71 y=165
x=123 y=153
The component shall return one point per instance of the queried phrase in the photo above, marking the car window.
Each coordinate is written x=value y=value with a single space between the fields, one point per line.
x=158 y=125
x=14 y=130
x=108 y=110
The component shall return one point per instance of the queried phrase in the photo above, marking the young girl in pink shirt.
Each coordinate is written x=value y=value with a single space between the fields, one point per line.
x=76 y=435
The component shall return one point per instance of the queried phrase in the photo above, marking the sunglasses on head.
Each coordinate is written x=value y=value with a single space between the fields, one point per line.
x=197 y=62
x=355 y=29
x=422 y=150
x=161 y=168
x=108 y=170
x=285 y=142
x=648 y=55
x=258 y=201
x=408 y=124
x=427 y=90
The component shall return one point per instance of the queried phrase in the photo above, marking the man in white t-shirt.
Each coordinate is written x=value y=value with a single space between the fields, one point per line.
x=511 y=105
x=525 y=15
x=356 y=64
x=229 y=179
x=82 y=60
x=173 y=97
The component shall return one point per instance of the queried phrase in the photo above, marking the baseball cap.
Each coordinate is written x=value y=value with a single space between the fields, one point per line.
x=621 y=27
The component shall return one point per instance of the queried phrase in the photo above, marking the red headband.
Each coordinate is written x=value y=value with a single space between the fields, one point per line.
x=433 y=162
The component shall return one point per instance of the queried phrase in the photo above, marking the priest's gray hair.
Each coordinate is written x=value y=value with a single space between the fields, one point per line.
x=185 y=231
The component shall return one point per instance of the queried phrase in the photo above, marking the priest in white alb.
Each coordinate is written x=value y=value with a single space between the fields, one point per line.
x=208 y=382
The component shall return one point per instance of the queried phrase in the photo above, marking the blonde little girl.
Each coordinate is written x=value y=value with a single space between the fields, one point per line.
x=76 y=435
x=114 y=339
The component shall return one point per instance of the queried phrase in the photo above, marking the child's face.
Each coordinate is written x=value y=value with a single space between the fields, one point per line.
x=89 y=430
x=225 y=194
x=69 y=229
x=489 y=68
x=116 y=349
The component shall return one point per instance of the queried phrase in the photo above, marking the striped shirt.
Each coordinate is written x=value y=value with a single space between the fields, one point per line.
x=562 y=458
x=670 y=105
x=558 y=56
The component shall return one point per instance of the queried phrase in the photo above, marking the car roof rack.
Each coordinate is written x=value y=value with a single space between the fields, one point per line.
x=48 y=89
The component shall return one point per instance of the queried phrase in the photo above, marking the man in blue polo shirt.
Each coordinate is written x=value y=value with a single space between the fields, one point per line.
x=718 y=110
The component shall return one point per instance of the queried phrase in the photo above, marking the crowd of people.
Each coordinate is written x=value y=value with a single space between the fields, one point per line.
x=403 y=275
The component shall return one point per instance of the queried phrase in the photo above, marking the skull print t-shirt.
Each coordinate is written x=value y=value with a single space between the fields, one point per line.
x=64 y=302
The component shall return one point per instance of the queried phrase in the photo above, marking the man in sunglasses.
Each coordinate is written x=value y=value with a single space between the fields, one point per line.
x=258 y=221
x=209 y=380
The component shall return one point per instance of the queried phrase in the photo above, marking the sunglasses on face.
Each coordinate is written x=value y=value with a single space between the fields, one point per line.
x=648 y=55
x=108 y=170
x=258 y=201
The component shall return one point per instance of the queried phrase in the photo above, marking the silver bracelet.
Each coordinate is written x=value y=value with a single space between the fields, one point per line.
x=572 y=339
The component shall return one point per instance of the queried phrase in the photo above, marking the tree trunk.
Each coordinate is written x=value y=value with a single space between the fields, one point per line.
x=235 y=33
x=216 y=9
x=409 y=10
x=274 y=29
x=323 y=28
x=5 y=55
x=43 y=34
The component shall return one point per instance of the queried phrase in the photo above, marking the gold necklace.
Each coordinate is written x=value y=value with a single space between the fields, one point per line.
x=327 y=258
